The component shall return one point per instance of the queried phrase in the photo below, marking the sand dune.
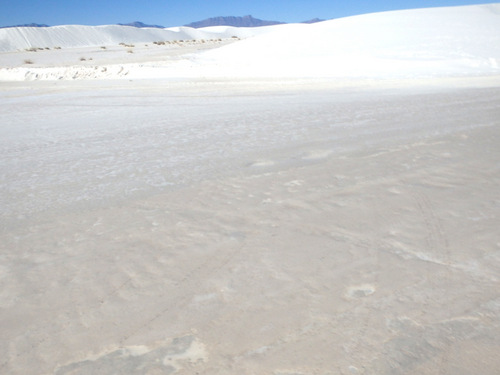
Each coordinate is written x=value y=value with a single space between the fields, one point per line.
x=425 y=42
x=71 y=36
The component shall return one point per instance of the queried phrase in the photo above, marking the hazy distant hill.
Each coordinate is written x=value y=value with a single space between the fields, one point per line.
x=141 y=25
x=26 y=25
x=246 y=21
x=314 y=20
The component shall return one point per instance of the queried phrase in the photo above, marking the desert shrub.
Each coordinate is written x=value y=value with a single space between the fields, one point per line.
x=83 y=59
x=57 y=47
x=103 y=47
x=130 y=51
x=27 y=61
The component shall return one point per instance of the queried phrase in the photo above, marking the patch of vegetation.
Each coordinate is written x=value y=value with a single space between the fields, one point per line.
x=34 y=49
x=27 y=61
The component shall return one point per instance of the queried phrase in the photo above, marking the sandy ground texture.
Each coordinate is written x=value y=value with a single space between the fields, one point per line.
x=249 y=228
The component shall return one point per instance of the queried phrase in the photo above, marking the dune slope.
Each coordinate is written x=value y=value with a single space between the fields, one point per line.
x=444 y=41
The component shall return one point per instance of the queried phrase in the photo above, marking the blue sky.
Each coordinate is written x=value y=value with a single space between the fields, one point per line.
x=176 y=13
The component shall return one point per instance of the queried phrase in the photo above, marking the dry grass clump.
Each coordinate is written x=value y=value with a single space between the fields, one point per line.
x=36 y=49
x=182 y=42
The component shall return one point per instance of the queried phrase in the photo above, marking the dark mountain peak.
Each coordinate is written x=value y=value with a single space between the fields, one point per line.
x=245 y=21
x=140 y=25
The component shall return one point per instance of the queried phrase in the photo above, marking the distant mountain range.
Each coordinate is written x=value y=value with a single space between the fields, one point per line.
x=141 y=25
x=26 y=25
x=314 y=20
x=246 y=21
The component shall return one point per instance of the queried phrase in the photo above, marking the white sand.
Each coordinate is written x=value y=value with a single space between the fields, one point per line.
x=248 y=226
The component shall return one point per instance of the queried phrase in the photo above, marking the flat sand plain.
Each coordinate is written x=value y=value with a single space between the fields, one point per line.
x=285 y=228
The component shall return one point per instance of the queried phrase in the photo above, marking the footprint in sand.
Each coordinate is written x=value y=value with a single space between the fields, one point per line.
x=316 y=154
x=360 y=291
x=262 y=163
